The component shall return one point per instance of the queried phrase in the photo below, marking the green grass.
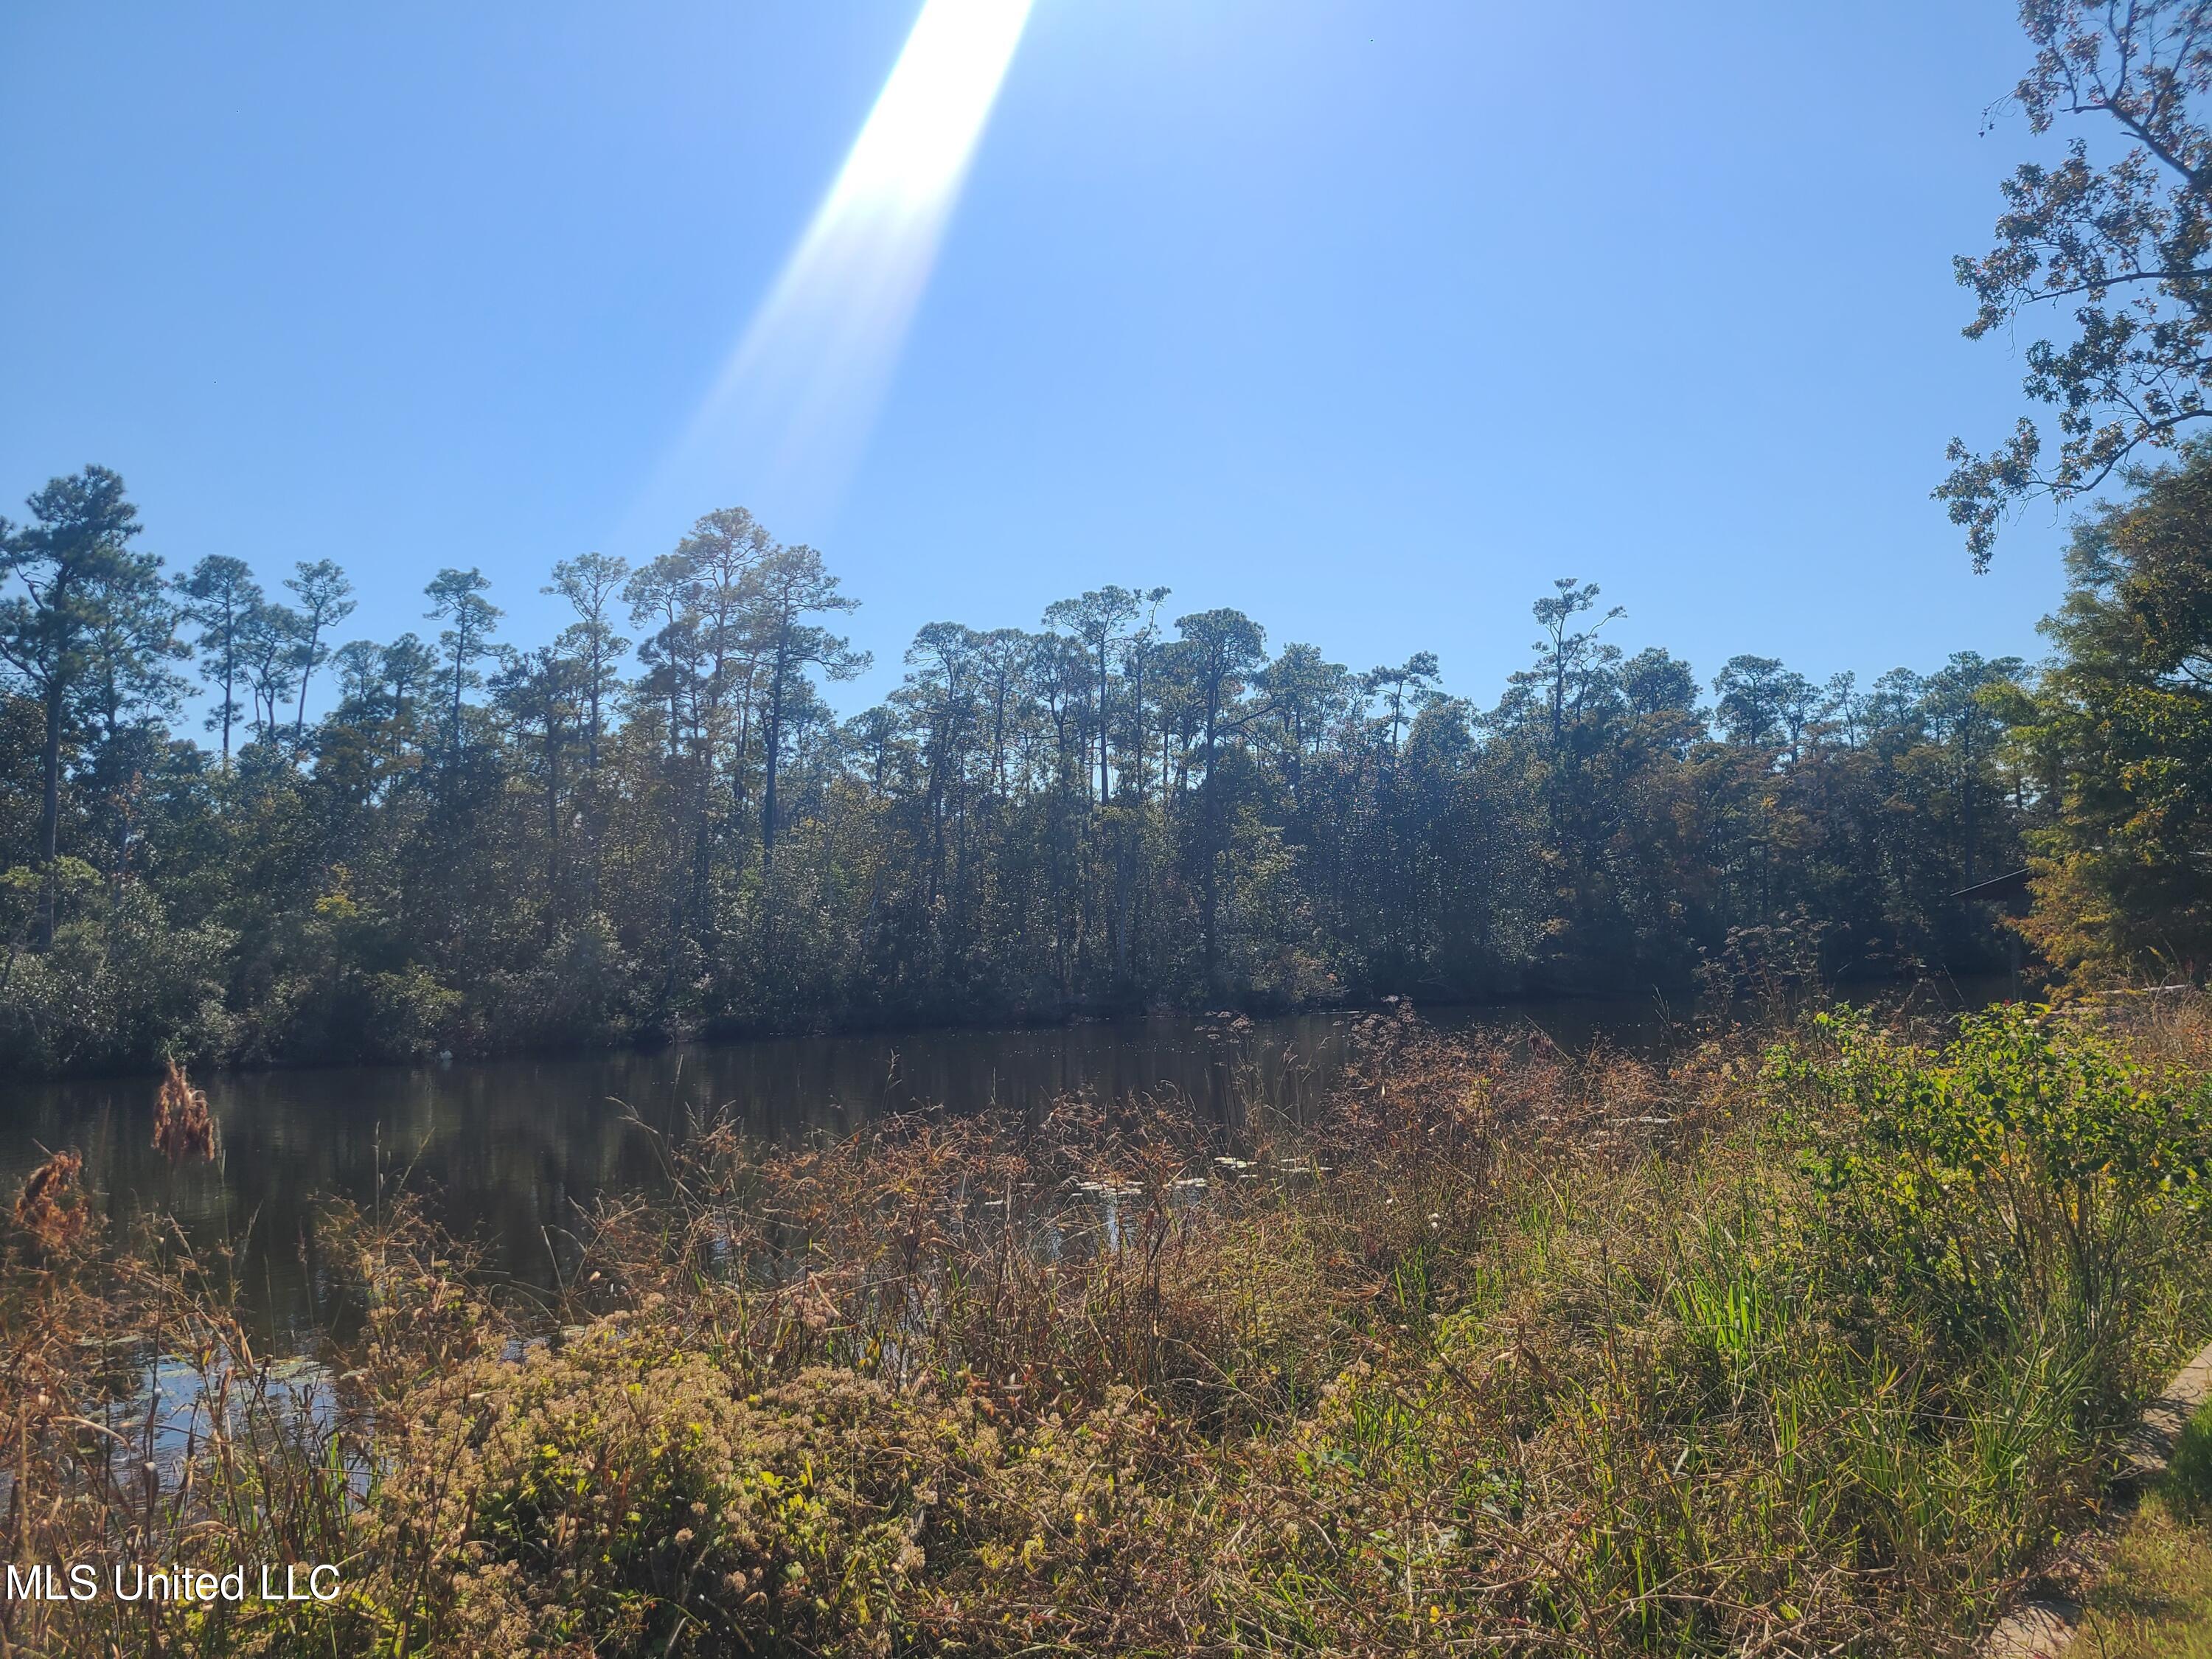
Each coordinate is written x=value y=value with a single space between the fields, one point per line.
x=2155 y=1601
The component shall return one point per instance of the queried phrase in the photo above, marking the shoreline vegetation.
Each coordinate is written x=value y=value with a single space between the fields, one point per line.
x=1803 y=1338
x=1608 y=1010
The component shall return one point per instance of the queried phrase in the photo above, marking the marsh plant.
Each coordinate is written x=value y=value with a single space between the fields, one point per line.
x=1802 y=1340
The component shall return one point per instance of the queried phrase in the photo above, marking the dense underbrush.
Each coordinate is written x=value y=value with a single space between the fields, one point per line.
x=1803 y=1341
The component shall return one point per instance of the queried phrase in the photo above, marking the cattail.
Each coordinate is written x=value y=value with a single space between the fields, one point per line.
x=52 y=1207
x=183 y=1127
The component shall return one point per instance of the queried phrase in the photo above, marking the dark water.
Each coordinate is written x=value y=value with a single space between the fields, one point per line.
x=506 y=1151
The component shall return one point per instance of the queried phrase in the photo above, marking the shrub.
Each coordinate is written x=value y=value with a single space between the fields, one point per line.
x=410 y=1013
x=626 y=1496
x=2031 y=1175
x=122 y=988
x=578 y=993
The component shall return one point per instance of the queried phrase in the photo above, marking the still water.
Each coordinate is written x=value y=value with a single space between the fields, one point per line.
x=506 y=1153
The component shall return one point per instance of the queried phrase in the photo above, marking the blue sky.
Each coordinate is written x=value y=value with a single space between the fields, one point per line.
x=1367 y=318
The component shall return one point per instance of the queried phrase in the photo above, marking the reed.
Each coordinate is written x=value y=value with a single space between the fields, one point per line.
x=52 y=1211
x=183 y=1127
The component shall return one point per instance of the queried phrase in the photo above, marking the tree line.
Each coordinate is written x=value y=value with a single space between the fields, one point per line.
x=655 y=824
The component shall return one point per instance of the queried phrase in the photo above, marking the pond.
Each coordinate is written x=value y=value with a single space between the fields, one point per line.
x=506 y=1151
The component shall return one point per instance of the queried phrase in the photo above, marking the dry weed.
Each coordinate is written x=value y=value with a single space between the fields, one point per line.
x=183 y=1127
x=53 y=1209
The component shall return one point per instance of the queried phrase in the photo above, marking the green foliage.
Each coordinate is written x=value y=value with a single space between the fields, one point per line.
x=581 y=992
x=621 y=1496
x=2117 y=246
x=122 y=988
x=410 y=1013
x=2030 y=1176
x=2119 y=737
x=480 y=848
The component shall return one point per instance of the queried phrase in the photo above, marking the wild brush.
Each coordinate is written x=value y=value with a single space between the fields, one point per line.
x=51 y=1209
x=183 y=1126
x=1508 y=1350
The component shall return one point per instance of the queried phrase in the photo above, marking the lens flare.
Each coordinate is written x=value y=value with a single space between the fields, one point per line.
x=788 y=415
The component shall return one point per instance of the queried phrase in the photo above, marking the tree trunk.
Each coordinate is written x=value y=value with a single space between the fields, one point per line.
x=1967 y=797
x=552 y=828
x=229 y=688
x=1103 y=683
x=772 y=739
x=738 y=761
x=1209 y=873
x=306 y=672
x=50 y=811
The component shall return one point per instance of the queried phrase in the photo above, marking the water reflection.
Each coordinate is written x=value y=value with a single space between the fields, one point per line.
x=506 y=1151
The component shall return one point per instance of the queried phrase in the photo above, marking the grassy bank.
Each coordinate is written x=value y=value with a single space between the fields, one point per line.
x=2154 y=1598
x=1805 y=1341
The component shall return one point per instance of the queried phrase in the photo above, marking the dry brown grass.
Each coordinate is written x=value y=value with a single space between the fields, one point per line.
x=183 y=1127
x=53 y=1211
x=1508 y=1350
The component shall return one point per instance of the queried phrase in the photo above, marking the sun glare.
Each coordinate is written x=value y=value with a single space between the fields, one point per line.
x=787 y=417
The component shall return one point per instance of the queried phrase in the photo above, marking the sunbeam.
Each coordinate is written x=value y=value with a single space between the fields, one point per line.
x=786 y=418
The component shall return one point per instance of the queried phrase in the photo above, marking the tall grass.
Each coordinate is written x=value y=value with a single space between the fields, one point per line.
x=1804 y=1341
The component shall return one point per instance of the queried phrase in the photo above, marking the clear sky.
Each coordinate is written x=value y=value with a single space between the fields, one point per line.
x=1366 y=319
